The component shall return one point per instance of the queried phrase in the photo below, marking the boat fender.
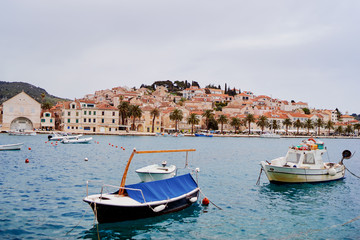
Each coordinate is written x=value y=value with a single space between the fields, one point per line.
x=159 y=208
x=193 y=199
x=294 y=166
x=332 y=171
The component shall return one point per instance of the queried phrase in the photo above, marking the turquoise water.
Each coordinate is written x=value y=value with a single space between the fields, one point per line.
x=43 y=199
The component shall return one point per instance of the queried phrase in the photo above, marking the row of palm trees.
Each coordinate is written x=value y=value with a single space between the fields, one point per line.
x=126 y=110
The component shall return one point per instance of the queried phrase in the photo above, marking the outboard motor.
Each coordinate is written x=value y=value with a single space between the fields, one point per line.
x=49 y=137
x=346 y=154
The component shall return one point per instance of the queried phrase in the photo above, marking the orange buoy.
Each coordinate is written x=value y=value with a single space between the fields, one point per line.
x=124 y=149
x=205 y=201
x=116 y=146
x=26 y=160
x=97 y=142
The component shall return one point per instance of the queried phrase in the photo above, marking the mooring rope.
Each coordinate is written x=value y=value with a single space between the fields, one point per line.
x=351 y=172
x=76 y=224
x=210 y=200
x=258 y=181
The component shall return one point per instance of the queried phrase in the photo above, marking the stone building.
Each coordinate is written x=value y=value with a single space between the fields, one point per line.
x=21 y=112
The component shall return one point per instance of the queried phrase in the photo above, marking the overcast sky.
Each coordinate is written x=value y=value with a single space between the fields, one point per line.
x=292 y=50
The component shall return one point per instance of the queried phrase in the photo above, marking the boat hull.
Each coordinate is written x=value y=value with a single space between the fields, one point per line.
x=107 y=213
x=10 y=147
x=277 y=174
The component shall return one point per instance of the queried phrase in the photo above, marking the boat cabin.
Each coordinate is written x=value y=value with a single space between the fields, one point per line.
x=304 y=159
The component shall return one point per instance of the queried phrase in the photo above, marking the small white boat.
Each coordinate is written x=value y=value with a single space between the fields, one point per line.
x=156 y=172
x=304 y=163
x=269 y=135
x=76 y=140
x=62 y=136
x=7 y=147
x=22 y=133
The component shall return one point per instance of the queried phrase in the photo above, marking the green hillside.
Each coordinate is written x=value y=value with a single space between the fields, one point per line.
x=10 y=89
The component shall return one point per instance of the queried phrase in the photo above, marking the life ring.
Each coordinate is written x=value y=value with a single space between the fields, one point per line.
x=311 y=139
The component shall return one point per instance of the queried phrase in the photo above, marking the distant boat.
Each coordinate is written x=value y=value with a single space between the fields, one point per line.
x=146 y=199
x=203 y=135
x=269 y=135
x=304 y=163
x=22 y=133
x=7 y=147
x=62 y=136
x=76 y=140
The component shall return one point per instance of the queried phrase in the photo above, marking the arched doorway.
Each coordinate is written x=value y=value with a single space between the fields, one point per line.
x=21 y=123
x=140 y=128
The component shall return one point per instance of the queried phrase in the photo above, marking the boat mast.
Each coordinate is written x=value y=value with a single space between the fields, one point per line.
x=123 y=180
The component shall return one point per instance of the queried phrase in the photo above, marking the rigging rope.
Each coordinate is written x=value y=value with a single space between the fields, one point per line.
x=351 y=172
x=210 y=200
x=258 y=181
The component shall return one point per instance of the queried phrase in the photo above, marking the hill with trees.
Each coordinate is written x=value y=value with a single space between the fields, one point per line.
x=10 y=89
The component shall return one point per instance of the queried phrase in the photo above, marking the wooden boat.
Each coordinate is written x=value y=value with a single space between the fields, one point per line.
x=7 y=147
x=304 y=163
x=203 y=135
x=147 y=199
x=156 y=172
x=76 y=140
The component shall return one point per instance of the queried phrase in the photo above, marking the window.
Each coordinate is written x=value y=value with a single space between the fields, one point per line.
x=94 y=112
x=84 y=112
x=103 y=113
x=309 y=158
x=51 y=120
x=89 y=112
x=69 y=120
x=102 y=120
x=293 y=157
x=87 y=128
x=94 y=120
x=84 y=119
x=73 y=106
x=47 y=115
x=89 y=120
x=113 y=121
x=42 y=120
x=77 y=120
x=113 y=113
x=69 y=113
x=77 y=114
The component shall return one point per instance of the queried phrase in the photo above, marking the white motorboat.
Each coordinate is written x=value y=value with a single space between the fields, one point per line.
x=22 y=133
x=7 y=147
x=269 y=135
x=304 y=163
x=76 y=140
x=61 y=136
x=156 y=172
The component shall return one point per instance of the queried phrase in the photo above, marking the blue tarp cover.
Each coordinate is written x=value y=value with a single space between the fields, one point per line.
x=162 y=189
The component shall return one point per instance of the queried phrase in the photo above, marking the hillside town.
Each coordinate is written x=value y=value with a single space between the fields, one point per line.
x=122 y=110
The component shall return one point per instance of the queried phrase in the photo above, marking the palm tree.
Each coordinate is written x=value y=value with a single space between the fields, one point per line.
x=274 y=125
x=298 y=124
x=308 y=124
x=124 y=108
x=339 y=130
x=249 y=119
x=42 y=97
x=222 y=119
x=349 y=129
x=135 y=112
x=287 y=122
x=207 y=114
x=236 y=123
x=193 y=120
x=154 y=113
x=329 y=125
x=357 y=127
x=319 y=124
x=262 y=122
x=176 y=115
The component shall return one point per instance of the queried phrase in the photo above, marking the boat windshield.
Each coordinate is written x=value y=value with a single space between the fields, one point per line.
x=309 y=158
x=293 y=157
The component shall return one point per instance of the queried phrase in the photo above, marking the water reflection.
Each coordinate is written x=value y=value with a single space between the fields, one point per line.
x=132 y=229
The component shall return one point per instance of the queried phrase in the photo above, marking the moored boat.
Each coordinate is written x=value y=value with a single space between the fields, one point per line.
x=146 y=199
x=304 y=163
x=269 y=135
x=22 y=133
x=203 y=135
x=62 y=136
x=76 y=140
x=156 y=172
x=8 y=147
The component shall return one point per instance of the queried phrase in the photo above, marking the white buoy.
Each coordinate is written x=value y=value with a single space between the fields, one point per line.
x=193 y=199
x=86 y=159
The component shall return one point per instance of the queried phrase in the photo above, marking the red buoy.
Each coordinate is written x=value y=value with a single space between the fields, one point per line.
x=26 y=160
x=29 y=148
x=205 y=201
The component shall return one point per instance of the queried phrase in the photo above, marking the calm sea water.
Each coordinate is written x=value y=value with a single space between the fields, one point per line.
x=43 y=199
